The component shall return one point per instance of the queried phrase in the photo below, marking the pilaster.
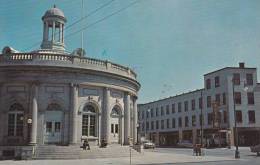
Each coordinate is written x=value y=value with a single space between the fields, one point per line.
x=126 y=118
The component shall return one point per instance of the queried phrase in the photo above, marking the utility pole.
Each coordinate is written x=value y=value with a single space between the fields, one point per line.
x=237 y=154
x=201 y=119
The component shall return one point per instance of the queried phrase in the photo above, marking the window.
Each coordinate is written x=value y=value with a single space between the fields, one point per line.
x=180 y=122
x=173 y=123
x=173 y=108
x=147 y=113
x=147 y=125
x=139 y=115
x=239 y=116
x=157 y=124
x=251 y=116
x=112 y=128
x=237 y=98
x=250 y=98
x=200 y=103
x=186 y=106
x=85 y=125
x=193 y=104
x=156 y=112
x=57 y=126
x=218 y=99
x=167 y=110
x=162 y=111
x=152 y=125
x=142 y=114
x=15 y=120
x=236 y=79
x=168 y=123
x=225 y=116
x=224 y=98
x=152 y=112
x=142 y=126
x=48 y=127
x=116 y=128
x=193 y=120
x=186 y=121
x=201 y=120
x=249 y=79
x=208 y=101
x=210 y=119
x=89 y=120
x=217 y=81
x=162 y=124
x=179 y=107
x=208 y=84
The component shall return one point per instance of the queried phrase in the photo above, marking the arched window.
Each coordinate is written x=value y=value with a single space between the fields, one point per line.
x=89 y=121
x=115 y=111
x=15 y=120
x=89 y=109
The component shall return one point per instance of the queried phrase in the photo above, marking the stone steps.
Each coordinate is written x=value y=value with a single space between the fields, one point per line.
x=75 y=152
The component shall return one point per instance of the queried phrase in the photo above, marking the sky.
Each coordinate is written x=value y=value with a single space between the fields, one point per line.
x=170 y=44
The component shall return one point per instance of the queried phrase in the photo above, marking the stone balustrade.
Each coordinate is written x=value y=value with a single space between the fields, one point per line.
x=68 y=60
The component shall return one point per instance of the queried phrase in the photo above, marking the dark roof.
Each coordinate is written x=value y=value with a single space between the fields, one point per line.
x=225 y=69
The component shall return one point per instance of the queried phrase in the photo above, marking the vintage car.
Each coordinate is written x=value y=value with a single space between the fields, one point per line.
x=148 y=144
x=256 y=149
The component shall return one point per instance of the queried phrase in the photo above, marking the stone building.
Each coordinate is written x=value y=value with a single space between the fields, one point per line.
x=50 y=96
x=178 y=118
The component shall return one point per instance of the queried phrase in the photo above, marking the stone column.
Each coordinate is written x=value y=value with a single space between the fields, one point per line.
x=135 y=120
x=74 y=112
x=126 y=118
x=53 y=31
x=46 y=31
x=106 y=115
x=34 y=106
x=60 y=33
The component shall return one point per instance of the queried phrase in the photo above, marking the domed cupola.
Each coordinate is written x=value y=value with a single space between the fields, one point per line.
x=53 y=30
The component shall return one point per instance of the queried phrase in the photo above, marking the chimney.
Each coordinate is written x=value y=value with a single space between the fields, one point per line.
x=241 y=65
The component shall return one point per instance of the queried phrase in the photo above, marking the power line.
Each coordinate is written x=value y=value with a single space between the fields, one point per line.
x=91 y=13
x=74 y=23
x=104 y=18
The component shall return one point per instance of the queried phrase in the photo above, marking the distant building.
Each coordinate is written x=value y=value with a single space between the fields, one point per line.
x=177 y=118
x=50 y=96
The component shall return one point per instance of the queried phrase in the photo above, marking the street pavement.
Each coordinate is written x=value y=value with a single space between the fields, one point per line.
x=160 y=156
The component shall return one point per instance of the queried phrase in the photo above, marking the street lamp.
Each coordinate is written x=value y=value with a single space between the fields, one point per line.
x=138 y=127
x=201 y=120
x=237 y=154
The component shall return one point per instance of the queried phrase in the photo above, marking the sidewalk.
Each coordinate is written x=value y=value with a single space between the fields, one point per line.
x=146 y=158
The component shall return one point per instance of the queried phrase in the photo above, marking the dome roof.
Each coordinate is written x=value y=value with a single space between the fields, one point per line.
x=54 y=12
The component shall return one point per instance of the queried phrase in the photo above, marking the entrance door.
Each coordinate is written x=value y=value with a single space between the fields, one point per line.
x=53 y=127
x=114 y=135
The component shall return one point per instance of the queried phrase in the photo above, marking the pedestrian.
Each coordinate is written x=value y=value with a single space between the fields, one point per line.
x=86 y=144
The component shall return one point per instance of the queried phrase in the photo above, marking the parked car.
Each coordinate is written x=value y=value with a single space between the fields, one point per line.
x=185 y=143
x=148 y=144
x=256 y=149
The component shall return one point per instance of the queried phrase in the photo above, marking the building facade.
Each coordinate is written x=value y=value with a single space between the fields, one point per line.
x=50 y=96
x=178 y=118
